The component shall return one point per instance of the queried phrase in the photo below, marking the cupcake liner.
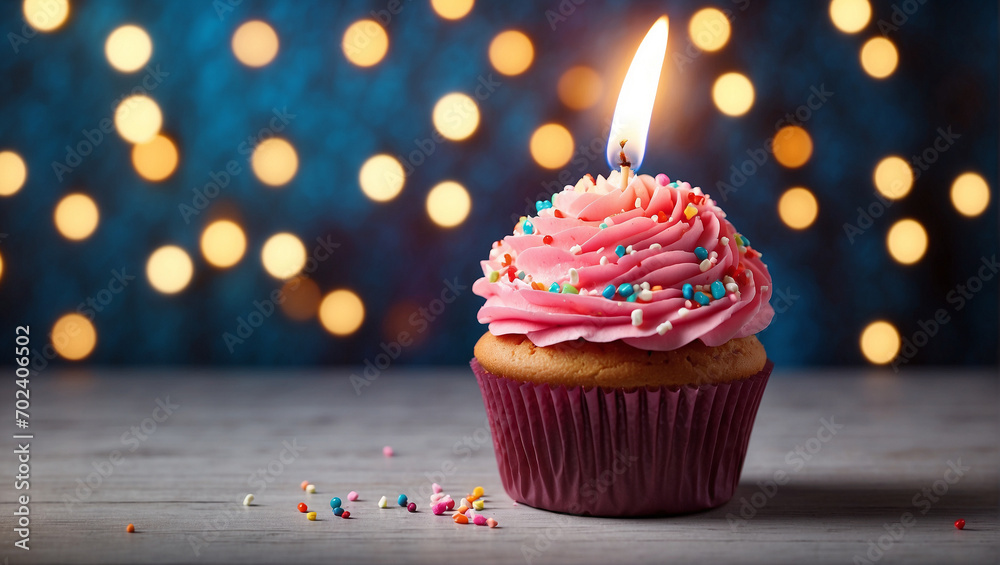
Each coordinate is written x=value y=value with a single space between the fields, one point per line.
x=614 y=452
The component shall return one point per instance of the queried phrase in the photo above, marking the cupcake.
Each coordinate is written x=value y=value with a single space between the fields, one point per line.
x=621 y=372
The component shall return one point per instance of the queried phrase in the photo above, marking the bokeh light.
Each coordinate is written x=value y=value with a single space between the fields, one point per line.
x=580 y=87
x=341 y=312
x=733 y=94
x=13 y=173
x=223 y=243
x=138 y=118
x=275 y=161
x=169 y=269
x=283 y=255
x=850 y=16
x=156 y=159
x=302 y=298
x=792 y=146
x=45 y=15
x=551 y=146
x=880 y=342
x=381 y=178
x=798 y=208
x=879 y=57
x=128 y=48
x=76 y=216
x=455 y=116
x=1 y=267
x=511 y=52
x=907 y=241
x=255 y=43
x=970 y=194
x=893 y=177
x=365 y=43
x=73 y=336
x=452 y=9
x=448 y=204
x=709 y=29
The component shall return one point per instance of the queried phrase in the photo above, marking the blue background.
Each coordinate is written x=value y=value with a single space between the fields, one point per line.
x=57 y=85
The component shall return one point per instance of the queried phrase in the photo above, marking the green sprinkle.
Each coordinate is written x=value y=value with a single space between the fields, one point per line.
x=570 y=289
x=494 y=276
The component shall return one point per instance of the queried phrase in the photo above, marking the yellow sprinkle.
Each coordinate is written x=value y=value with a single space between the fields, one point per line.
x=478 y=491
x=478 y=504
x=690 y=211
x=494 y=276
x=311 y=516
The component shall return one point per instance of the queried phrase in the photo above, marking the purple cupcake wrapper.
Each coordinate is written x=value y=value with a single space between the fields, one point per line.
x=615 y=452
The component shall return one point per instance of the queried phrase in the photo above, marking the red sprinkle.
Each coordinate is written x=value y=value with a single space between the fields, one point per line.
x=661 y=216
x=696 y=199
x=507 y=260
x=511 y=273
x=346 y=514
x=742 y=279
x=547 y=240
x=558 y=214
x=960 y=524
x=303 y=508
x=751 y=254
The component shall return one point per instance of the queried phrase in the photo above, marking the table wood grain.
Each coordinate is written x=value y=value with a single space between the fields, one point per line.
x=182 y=480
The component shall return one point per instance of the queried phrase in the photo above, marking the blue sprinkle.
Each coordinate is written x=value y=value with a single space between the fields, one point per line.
x=746 y=242
x=718 y=290
x=625 y=290
x=520 y=275
x=338 y=511
x=700 y=298
x=620 y=250
x=528 y=228
x=688 y=291
x=554 y=287
x=539 y=205
x=632 y=298
x=701 y=253
x=603 y=226
x=609 y=291
x=334 y=502
x=401 y=500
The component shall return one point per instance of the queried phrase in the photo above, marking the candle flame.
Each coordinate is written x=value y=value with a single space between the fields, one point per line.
x=635 y=101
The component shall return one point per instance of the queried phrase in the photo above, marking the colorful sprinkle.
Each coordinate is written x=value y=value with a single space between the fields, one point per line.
x=718 y=290
x=303 y=508
x=554 y=287
x=569 y=289
x=463 y=509
x=705 y=265
x=336 y=502
x=492 y=523
x=625 y=289
x=664 y=327
x=574 y=277
x=459 y=518
x=494 y=276
x=248 y=500
x=449 y=503
x=401 y=500
x=701 y=253
x=387 y=451
x=609 y=291
x=701 y=298
x=636 y=317
x=338 y=511
x=690 y=211
x=960 y=524
x=479 y=520
x=383 y=502
x=547 y=240
x=520 y=275
x=528 y=227
x=130 y=529
x=311 y=516
x=543 y=204
x=662 y=179
x=688 y=291
x=604 y=260
x=346 y=514
x=439 y=508
x=603 y=226
x=311 y=489
x=620 y=250
x=352 y=496
x=412 y=507
x=632 y=298
x=478 y=504
x=304 y=485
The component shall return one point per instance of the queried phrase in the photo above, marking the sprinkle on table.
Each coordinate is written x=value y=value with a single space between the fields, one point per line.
x=401 y=500
x=335 y=502
x=303 y=508
x=304 y=485
x=311 y=516
x=352 y=496
x=960 y=524
x=383 y=502
x=248 y=500
x=387 y=451
x=311 y=489
x=131 y=528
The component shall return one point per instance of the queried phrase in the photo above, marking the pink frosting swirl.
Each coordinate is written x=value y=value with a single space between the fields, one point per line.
x=659 y=227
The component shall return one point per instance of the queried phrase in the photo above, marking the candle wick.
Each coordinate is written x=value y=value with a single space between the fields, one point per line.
x=624 y=160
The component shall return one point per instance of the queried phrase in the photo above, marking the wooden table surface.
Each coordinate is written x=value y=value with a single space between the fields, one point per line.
x=182 y=480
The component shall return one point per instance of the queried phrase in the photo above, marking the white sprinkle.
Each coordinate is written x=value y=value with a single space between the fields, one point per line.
x=683 y=312
x=575 y=250
x=311 y=489
x=731 y=287
x=741 y=249
x=656 y=219
x=664 y=327
x=688 y=305
x=763 y=288
x=248 y=500
x=628 y=249
x=383 y=503
x=604 y=260
x=670 y=219
x=705 y=265
x=636 y=288
x=638 y=203
x=714 y=260
x=633 y=252
x=714 y=255
x=655 y=246
x=644 y=285
x=645 y=295
x=574 y=277
x=728 y=280
x=636 y=317
x=601 y=250
x=724 y=241
x=609 y=221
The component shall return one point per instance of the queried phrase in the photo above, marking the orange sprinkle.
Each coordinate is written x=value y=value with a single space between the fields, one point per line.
x=460 y=518
x=558 y=214
x=130 y=528
x=304 y=485
x=657 y=287
x=471 y=498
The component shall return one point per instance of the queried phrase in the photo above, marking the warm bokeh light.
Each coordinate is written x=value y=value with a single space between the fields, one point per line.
x=1 y=267
x=448 y=204
x=381 y=178
x=13 y=173
x=970 y=194
x=45 y=15
x=879 y=57
x=223 y=243
x=733 y=94
x=907 y=241
x=138 y=119
x=76 y=216
x=156 y=159
x=850 y=16
x=128 y=48
x=274 y=161
x=551 y=146
x=302 y=298
x=893 y=177
x=255 y=43
x=580 y=87
x=169 y=269
x=73 y=336
x=792 y=146
x=341 y=312
x=283 y=255
x=511 y=52
x=365 y=43
x=798 y=208
x=452 y=9
x=455 y=116
x=709 y=29
x=880 y=342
